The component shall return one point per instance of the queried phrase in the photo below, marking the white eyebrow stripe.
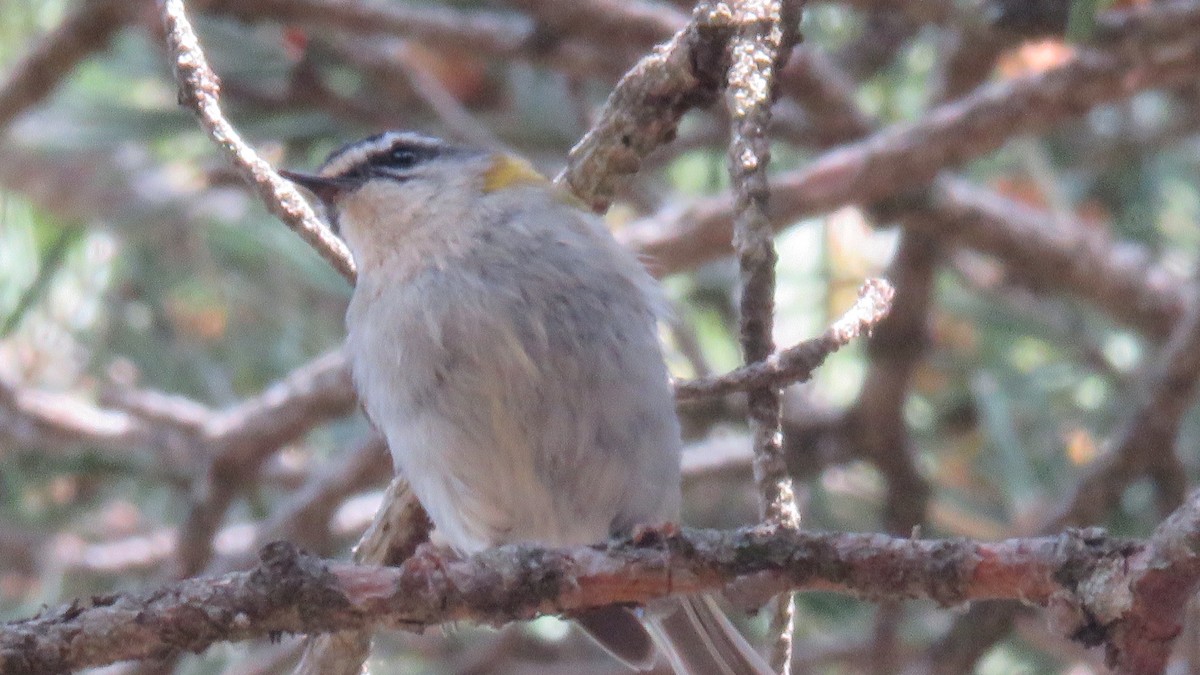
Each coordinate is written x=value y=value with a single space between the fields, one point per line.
x=359 y=153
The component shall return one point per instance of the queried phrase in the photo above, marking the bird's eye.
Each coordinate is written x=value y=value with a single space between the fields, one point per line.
x=403 y=158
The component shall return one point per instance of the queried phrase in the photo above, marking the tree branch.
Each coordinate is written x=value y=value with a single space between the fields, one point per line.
x=644 y=109
x=88 y=29
x=907 y=157
x=759 y=48
x=199 y=90
x=797 y=363
x=1043 y=252
x=1141 y=635
x=293 y=592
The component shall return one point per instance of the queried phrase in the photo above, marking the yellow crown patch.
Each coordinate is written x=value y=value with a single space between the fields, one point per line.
x=507 y=171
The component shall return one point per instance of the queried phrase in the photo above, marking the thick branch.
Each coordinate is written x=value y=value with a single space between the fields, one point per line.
x=292 y=592
x=644 y=109
x=1166 y=574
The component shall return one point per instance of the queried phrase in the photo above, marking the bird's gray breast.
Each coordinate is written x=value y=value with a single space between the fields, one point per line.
x=521 y=386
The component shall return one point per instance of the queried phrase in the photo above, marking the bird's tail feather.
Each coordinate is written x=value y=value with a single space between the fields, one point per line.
x=698 y=639
x=619 y=631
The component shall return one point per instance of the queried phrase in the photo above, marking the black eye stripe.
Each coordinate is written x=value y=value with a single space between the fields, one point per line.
x=404 y=156
x=394 y=155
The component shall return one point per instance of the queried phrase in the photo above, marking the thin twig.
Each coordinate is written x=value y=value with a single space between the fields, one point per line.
x=797 y=363
x=765 y=34
x=199 y=90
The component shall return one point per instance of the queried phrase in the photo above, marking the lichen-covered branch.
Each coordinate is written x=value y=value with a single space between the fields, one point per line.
x=758 y=49
x=766 y=30
x=1145 y=623
x=292 y=592
x=644 y=109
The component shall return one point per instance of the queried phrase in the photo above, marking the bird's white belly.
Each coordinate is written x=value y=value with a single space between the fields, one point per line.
x=477 y=502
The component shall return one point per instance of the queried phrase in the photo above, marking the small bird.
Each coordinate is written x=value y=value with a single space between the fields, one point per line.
x=506 y=347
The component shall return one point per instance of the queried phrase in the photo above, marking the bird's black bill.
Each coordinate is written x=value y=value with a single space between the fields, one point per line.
x=327 y=189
